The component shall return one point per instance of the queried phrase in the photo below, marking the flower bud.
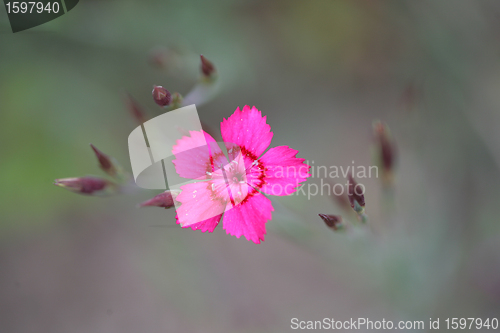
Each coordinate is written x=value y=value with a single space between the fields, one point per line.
x=86 y=185
x=385 y=151
x=334 y=222
x=207 y=68
x=135 y=109
x=356 y=199
x=161 y=96
x=386 y=147
x=165 y=200
x=105 y=161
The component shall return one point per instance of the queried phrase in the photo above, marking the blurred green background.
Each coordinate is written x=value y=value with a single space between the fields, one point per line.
x=322 y=71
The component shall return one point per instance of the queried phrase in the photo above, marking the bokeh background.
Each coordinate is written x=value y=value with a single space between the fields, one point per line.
x=321 y=71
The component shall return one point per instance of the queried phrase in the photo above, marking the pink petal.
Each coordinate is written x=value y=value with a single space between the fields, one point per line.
x=200 y=209
x=249 y=218
x=195 y=155
x=206 y=225
x=247 y=129
x=284 y=172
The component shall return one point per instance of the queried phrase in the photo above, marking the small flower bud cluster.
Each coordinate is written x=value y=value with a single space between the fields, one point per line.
x=355 y=199
x=97 y=186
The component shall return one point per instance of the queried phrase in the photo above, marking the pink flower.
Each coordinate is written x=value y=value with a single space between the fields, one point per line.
x=235 y=188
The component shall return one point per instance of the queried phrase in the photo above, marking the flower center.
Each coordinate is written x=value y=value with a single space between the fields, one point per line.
x=238 y=180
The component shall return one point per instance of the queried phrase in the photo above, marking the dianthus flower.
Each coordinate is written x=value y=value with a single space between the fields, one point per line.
x=234 y=186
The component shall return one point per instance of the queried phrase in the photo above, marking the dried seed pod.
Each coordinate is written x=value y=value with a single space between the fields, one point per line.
x=334 y=222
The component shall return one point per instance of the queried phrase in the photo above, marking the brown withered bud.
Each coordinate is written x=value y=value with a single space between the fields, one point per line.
x=334 y=222
x=135 y=110
x=105 y=161
x=165 y=200
x=355 y=195
x=85 y=185
x=386 y=147
x=207 y=68
x=161 y=96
